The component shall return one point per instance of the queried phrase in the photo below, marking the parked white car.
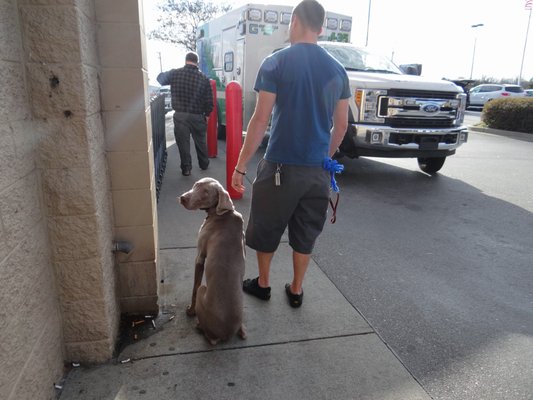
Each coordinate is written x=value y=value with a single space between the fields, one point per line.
x=480 y=95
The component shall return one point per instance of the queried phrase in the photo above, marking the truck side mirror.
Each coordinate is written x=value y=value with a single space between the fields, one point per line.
x=411 y=69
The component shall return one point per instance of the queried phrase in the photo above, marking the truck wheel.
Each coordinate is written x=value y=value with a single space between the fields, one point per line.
x=430 y=165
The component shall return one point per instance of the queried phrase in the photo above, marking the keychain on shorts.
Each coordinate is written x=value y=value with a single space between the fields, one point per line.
x=277 y=175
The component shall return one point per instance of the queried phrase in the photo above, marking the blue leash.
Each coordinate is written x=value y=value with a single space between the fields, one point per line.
x=333 y=167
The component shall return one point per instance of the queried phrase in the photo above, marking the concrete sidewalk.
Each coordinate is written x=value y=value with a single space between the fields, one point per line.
x=323 y=350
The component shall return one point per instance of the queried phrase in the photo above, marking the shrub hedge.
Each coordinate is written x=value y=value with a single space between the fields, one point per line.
x=514 y=114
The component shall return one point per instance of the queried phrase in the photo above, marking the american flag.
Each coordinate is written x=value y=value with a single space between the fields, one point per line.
x=529 y=4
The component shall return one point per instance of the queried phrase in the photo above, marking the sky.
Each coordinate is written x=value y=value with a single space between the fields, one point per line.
x=436 y=34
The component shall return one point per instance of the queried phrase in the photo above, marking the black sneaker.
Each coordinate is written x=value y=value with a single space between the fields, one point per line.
x=186 y=171
x=251 y=286
x=295 y=300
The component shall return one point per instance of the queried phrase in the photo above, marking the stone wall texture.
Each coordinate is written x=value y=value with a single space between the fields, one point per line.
x=63 y=196
x=126 y=114
x=31 y=337
x=62 y=70
x=60 y=299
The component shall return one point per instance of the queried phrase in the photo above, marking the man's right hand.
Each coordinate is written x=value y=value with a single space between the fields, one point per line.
x=237 y=182
x=254 y=136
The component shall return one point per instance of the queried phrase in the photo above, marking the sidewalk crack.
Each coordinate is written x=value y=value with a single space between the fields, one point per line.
x=280 y=343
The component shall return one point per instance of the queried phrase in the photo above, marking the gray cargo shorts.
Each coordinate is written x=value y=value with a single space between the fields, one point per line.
x=299 y=202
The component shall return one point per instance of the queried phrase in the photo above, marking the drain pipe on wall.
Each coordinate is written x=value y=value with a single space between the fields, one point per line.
x=120 y=246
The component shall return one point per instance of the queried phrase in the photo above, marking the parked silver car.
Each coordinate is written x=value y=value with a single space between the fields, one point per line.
x=480 y=95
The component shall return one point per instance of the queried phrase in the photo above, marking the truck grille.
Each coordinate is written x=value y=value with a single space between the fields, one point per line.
x=418 y=108
x=422 y=94
x=418 y=123
x=406 y=138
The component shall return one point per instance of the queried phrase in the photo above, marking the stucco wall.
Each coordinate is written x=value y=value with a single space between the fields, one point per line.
x=76 y=173
x=31 y=349
x=126 y=116
x=59 y=42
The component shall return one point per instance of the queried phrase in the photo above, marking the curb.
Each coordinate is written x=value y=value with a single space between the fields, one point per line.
x=528 y=137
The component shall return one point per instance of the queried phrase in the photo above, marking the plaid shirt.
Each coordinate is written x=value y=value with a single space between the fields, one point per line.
x=190 y=90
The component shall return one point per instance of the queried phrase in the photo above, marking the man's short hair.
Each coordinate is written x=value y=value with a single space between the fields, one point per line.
x=191 y=57
x=311 y=14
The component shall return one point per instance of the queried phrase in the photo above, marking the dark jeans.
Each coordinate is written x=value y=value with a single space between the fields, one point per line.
x=185 y=126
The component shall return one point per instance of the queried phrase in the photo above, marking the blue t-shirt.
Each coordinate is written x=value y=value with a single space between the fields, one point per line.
x=308 y=83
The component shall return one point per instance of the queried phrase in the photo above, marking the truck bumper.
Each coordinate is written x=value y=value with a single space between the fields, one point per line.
x=384 y=141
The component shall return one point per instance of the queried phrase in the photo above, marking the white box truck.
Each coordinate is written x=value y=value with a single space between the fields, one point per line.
x=392 y=114
x=232 y=47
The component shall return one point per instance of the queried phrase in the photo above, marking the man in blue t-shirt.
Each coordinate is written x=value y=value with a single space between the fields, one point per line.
x=307 y=90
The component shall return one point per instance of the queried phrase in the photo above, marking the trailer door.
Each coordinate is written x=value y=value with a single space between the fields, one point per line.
x=239 y=62
x=228 y=55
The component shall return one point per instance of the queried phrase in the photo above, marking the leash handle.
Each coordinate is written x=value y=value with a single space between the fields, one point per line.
x=334 y=208
x=333 y=167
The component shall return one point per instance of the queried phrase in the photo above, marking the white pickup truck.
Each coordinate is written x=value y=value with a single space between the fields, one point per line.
x=393 y=114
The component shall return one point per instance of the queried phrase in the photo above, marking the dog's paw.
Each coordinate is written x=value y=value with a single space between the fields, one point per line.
x=212 y=341
x=242 y=332
x=199 y=328
x=191 y=312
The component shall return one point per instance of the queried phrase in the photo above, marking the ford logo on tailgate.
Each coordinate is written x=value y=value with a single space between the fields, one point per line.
x=430 y=108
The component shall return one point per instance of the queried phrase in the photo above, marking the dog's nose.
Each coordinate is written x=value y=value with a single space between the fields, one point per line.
x=182 y=200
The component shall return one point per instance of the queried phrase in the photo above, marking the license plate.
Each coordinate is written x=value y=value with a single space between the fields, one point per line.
x=429 y=143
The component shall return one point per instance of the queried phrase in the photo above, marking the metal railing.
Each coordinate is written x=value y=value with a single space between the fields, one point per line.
x=157 y=107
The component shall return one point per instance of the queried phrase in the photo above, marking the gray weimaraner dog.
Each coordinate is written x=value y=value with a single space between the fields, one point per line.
x=219 y=303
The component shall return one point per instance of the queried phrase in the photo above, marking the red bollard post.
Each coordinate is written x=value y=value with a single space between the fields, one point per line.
x=233 y=133
x=212 y=122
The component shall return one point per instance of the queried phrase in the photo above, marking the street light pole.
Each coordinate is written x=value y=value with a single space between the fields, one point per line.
x=368 y=21
x=525 y=46
x=474 y=52
x=160 y=61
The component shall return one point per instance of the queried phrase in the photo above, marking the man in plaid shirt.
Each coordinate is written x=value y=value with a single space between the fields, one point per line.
x=192 y=101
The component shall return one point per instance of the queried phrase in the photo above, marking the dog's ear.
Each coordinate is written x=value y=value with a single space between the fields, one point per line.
x=224 y=201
